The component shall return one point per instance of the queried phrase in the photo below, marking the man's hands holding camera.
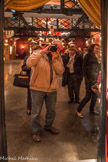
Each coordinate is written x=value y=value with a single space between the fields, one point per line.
x=54 y=55
x=53 y=50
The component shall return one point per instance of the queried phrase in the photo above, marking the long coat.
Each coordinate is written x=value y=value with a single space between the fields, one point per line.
x=77 y=65
x=91 y=68
x=40 y=71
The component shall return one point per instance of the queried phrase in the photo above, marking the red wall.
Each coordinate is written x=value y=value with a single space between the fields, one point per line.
x=20 y=43
x=80 y=42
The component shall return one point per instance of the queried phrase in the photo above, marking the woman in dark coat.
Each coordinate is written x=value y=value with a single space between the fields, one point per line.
x=91 y=68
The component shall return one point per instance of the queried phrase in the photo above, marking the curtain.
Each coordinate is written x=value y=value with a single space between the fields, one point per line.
x=92 y=9
x=24 y=5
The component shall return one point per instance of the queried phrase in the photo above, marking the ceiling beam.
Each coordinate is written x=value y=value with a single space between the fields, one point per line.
x=58 y=11
x=59 y=29
x=21 y=17
x=49 y=36
x=62 y=4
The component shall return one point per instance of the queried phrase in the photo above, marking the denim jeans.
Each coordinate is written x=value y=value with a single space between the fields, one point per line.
x=38 y=97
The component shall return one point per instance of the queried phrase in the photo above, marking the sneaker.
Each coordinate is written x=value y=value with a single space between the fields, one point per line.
x=95 y=130
x=52 y=130
x=94 y=112
x=79 y=115
x=78 y=102
x=36 y=137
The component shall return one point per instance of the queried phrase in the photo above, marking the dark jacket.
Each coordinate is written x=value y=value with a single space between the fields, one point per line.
x=24 y=66
x=91 y=67
x=78 y=62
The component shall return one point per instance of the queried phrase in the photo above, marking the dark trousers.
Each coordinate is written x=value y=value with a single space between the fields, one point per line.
x=29 y=99
x=74 y=82
x=89 y=95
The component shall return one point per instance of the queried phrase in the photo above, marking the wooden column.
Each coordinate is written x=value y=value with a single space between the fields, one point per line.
x=102 y=134
x=3 y=142
x=62 y=5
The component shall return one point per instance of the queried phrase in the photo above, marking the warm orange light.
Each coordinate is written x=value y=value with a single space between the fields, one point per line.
x=5 y=44
x=107 y=95
x=14 y=42
x=11 y=50
x=107 y=112
x=23 y=46
x=6 y=77
x=6 y=41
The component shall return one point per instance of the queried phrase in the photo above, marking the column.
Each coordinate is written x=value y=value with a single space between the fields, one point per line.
x=3 y=142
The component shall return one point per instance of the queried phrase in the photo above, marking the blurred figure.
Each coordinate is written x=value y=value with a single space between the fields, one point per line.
x=91 y=68
x=28 y=70
x=63 y=50
x=66 y=49
x=85 y=51
x=80 y=51
x=71 y=45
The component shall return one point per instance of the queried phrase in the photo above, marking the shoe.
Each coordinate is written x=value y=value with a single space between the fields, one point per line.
x=78 y=102
x=70 y=101
x=79 y=115
x=36 y=137
x=94 y=112
x=95 y=130
x=28 y=112
x=52 y=130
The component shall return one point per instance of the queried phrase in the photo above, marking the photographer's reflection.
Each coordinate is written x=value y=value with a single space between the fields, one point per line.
x=45 y=65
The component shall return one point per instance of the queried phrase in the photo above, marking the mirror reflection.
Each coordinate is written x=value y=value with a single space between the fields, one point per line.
x=52 y=84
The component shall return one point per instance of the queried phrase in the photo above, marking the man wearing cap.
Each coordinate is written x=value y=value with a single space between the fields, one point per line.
x=75 y=75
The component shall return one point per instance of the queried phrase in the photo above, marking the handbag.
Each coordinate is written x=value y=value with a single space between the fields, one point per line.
x=21 y=80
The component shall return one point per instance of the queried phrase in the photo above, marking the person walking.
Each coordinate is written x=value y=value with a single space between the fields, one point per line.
x=91 y=68
x=45 y=65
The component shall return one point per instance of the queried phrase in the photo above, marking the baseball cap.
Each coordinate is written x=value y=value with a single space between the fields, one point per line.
x=72 y=48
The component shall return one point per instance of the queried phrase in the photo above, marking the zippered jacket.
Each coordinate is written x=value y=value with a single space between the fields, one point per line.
x=40 y=71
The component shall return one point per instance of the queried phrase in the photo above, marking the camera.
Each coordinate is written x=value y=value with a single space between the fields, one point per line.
x=53 y=48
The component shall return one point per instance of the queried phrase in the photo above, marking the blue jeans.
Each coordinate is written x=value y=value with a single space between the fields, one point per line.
x=38 y=98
